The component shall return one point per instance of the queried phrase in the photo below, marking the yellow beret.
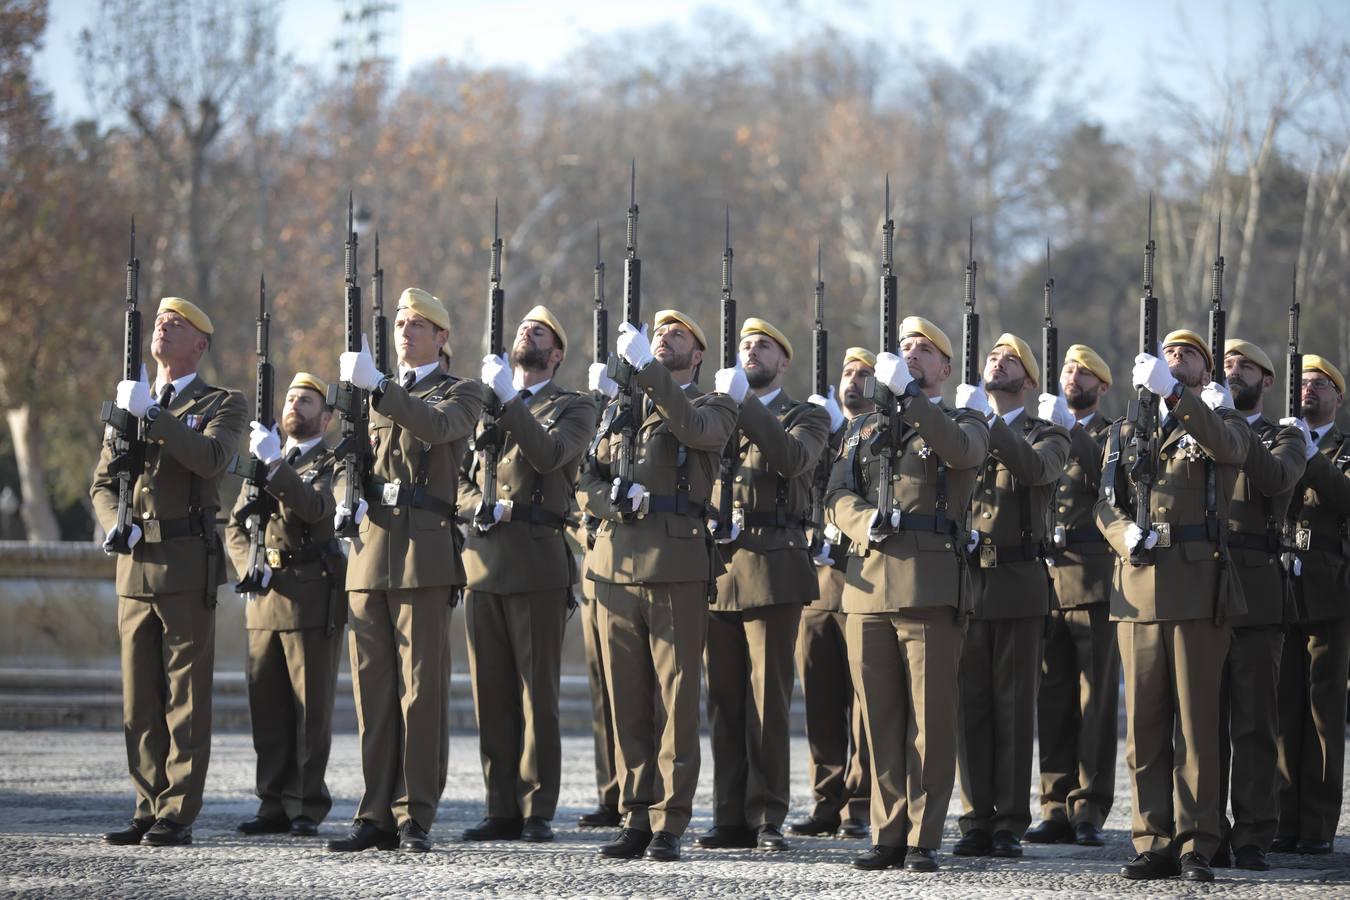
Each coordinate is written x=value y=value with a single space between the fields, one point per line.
x=666 y=316
x=1314 y=363
x=1251 y=351
x=1086 y=357
x=306 y=380
x=862 y=355
x=428 y=307
x=1186 y=336
x=541 y=314
x=1022 y=350
x=188 y=310
x=918 y=325
x=761 y=326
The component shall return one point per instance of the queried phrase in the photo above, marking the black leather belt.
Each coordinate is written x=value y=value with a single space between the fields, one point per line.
x=390 y=493
x=278 y=558
x=673 y=503
x=1263 y=542
x=991 y=556
x=753 y=519
x=155 y=531
x=536 y=514
x=1084 y=534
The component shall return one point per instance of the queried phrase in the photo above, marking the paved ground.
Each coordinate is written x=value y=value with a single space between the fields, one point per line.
x=60 y=789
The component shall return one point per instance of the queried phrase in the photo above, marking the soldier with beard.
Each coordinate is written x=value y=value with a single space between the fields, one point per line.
x=1079 y=694
x=514 y=613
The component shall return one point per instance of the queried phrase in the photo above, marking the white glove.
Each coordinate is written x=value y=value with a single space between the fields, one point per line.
x=1296 y=567
x=873 y=535
x=893 y=372
x=633 y=345
x=134 y=396
x=597 y=377
x=636 y=493
x=972 y=396
x=973 y=542
x=831 y=406
x=732 y=382
x=496 y=374
x=264 y=443
x=1216 y=395
x=498 y=510
x=343 y=512
x=1151 y=372
x=1054 y=408
x=266 y=576
x=1133 y=533
x=823 y=558
x=359 y=368
x=1309 y=446
x=735 y=531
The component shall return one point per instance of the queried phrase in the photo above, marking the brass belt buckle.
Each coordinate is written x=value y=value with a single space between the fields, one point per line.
x=1164 y=530
x=1061 y=538
x=389 y=493
x=988 y=556
x=273 y=557
x=150 y=531
x=1303 y=538
x=738 y=518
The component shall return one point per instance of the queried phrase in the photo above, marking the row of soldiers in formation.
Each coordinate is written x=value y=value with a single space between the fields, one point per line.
x=996 y=602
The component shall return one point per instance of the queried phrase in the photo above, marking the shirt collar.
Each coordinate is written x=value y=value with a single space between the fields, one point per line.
x=179 y=384
x=770 y=396
x=304 y=446
x=1086 y=419
x=1252 y=419
x=518 y=380
x=1009 y=416
x=420 y=372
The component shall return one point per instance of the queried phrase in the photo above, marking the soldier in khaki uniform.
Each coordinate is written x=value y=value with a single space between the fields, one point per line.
x=652 y=564
x=1317 y=642
x=907 y=591
x=768 y=575
x=403 y=574
x=1249 y=702
x=166 y=583
x=295 y=622
x=836 y=743
x=514 y=613
x=1079 y=695
x=1173 y=612
x=1001 y=660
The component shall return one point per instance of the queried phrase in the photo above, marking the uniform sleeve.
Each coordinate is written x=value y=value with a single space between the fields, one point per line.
x=846 y=510
x=1277 y=469
x=469 y=494
x=547 y=450
x=208 y=452
x=451 y=419
x=1223 y=434
x=306 y=502
x=103 y=490
x=962 y=442
x=707 y=426
x=236 y=535
x=792 y=451
x=1030 y=463
x=1110 y=520
x=1084 y=448
x=1331 y=484
x=595 y=484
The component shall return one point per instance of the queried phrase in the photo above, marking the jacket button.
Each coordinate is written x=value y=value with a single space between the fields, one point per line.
x=1162 y=481
x=1063 y=488
x=1063 y=509
x=987 y=515
x=506 y=488
x=792 y=543
x=146 y=489
x=397 y=510
x=395 y=451
x=948 y=546
x=442 y=523
x=737 y=478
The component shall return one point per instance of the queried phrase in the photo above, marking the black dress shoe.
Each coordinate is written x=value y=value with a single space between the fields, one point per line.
x=363 y=836
x=1085 y=834
x=1005 y=845
x=168 y=833
x=1149 y=865
x=602 y=817
x=728 y=837
x=536 y=830
x=813 y=827
x=1050 y=831
x=495 y=829
x=768 y=837
x=1223 y=857
x=880 y=857
x=973 y=843
x=263 y=825
x=921 y=859
x=853 y=828
x=1284 y=845
x=412 y=838
x=1194 y=867
x=304 y=826
x=132 y=834
x=1314 y=848
x=664 y=847
x=630 y=844
x=1251 y=857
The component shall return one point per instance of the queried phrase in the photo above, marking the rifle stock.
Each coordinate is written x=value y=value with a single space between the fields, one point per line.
x=488 y=441
x=128 y=446
x=353 y=448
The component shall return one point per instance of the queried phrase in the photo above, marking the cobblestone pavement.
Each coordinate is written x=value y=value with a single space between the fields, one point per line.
x=60 y=789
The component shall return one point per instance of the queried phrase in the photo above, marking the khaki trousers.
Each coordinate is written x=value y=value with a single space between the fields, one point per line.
x=602 y=715
x=749 y=668
x=1249 y=728
x=653 y=645
x=400 y=661
x=996 y=715
x=515 y=661
x=1172 y=675
x=836 y=742
x=1312 y=728
x=1076 y=715
x=168 y=650
x=292 y=683
x=904 y=666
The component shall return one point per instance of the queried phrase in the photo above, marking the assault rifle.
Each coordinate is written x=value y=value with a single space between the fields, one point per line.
x=624 y=422
x=488 y=441
x=820 y=339
x=258 y=504
x=1143 y=410
x=353 y=448
x=128 y=447
x=1217 y=317
x=731 y=452
x=600 y=315
x=1049 y=334
x=886 y=444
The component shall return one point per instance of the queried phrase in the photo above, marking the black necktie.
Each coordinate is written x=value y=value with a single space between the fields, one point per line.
x=166 y=395
x=525 y=395
x=1315 y=436
x=409 y=379
x=1168 y=427
x=293 y=456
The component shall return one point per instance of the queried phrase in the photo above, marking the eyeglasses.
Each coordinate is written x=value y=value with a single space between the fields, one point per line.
x=1319 y=384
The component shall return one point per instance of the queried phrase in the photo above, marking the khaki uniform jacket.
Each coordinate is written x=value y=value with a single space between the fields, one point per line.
x=1084 y=567
x=1275 y=463
x=299 y=594
x=402 y=547
x=830 y=579
x=912 y=568
x=1322 y=508
x=1190 y=579
x=661 y=547
x=1014 y=493
x=543 y=443
x=188 y=448
x=779 y=446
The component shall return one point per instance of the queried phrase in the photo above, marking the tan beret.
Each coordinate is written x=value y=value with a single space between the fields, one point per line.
x=1314 y=363
x=1186 y=336
x=1251 y=351
x=862 y=355
x=428 y=307
x=911 y=326
x=768 y=329
x=1086 y=357
x=188 y=310
x=1022 y=350
x=666 y=316
x=306 y=380
x=541 y=314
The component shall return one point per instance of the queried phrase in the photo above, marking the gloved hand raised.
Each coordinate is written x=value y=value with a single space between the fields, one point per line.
x=264 y=443
x=597 y=378
x=732 y=382
x=633 y=345
x=1152 y=373
x=496 y=374
x=893 y=372
x=1054 y=408
x=359 y=368
x=831 y=406
x=134 y=396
